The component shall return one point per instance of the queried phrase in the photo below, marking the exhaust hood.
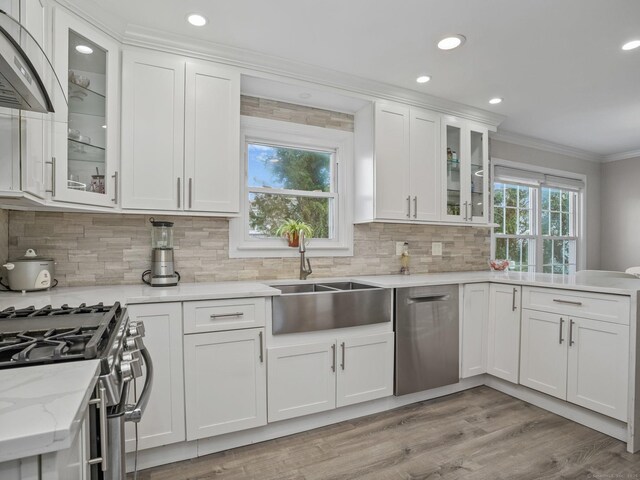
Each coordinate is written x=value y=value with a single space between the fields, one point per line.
x=27 y=78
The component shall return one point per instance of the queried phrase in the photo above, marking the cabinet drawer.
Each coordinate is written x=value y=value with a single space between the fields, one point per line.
x=217 y=315
x=608 y=308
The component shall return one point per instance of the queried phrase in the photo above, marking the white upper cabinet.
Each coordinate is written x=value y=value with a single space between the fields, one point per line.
x=85 y=134
x=465 y=157
x=152 y=130
x=397 y=167
x=180 y=134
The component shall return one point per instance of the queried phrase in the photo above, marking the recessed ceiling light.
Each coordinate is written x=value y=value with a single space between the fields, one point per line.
x=631 y=45
x=451 y=42
x=495 y=101
x=423 y=79
x=305 y=95
x=197 y=20
x=84 y=49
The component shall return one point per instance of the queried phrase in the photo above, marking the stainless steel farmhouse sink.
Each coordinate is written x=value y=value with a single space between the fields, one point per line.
x=308 y=307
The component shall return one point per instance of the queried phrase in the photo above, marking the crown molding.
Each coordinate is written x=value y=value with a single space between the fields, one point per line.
x=92 y=13
x=539 y=144
x=266 y=65
x=614 y=157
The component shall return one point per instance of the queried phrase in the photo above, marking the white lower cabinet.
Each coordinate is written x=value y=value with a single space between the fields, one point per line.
x=163 y=421
x=475 y=317
x=543 y=352
x=225 y=382
x=504 y=332
x=598 y=366
x=316 y=377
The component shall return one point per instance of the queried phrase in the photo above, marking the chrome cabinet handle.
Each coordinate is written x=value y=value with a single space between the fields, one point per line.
x=571 y=342
x=343 y=355
x=333 y=354
x=466 y=212
x=513 y=302
x=190 y=192
x=568 y=302
x=179 y=192
x=560 y=340
x=213 y=316
x=415 y=207
x=115 y=188
x=101 y=401
x=409 y=206
x=53 y=177
x=261 y=347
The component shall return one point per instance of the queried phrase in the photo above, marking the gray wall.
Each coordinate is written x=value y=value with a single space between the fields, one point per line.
x=4 y=235
x=532 y=156
x=620 y=224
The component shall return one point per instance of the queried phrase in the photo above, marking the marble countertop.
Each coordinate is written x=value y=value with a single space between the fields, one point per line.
x=41 y=407
x=135 y=294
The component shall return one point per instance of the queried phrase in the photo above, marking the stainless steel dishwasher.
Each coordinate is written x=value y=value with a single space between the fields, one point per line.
x=427 y=345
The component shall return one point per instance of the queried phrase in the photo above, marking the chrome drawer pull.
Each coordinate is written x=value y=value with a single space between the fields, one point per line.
x=333 y=354
x=561 y=323
x=343 y=355
x=213 y=316
x=571 y=342
x=261 y=347
x=568 y=302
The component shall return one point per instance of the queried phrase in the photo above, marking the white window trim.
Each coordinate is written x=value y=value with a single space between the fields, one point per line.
x=298 y=135
x=581 y=228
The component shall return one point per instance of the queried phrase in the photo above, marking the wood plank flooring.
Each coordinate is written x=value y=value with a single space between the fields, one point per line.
x=477 y=434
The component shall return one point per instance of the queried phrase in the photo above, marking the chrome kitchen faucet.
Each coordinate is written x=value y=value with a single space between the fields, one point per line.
x=305 y=270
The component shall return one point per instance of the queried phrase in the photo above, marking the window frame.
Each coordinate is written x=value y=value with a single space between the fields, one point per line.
x=536 y=222
x=293 y=135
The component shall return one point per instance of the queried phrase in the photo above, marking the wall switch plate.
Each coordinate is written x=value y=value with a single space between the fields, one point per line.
x=436 y=249
x=399 y=248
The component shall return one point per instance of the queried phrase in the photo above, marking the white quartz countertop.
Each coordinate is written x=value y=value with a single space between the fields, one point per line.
x=601 y=284
x=41 y=407
x=134 y=294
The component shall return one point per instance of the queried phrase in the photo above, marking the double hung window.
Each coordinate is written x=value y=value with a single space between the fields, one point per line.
x=538 y=220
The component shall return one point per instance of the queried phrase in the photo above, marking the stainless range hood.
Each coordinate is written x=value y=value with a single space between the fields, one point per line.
x=27 y=78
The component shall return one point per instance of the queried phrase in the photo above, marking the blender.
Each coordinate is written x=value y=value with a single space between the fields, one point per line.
x=161 y=273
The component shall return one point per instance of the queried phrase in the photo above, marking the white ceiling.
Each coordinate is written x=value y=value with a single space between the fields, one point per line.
x=557 y=63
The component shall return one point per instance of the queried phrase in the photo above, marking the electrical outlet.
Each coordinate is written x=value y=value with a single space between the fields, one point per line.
x=436 y=249
x=399 y=248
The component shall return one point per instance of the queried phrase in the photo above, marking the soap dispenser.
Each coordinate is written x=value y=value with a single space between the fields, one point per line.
x=404 y=259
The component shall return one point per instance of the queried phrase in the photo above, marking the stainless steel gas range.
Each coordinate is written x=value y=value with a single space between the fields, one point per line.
x=35 y=336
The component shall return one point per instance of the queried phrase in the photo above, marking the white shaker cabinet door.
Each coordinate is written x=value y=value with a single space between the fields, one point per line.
x=212 y=138
x=504 y=332
x=475 y=316
x=365 y=368
x=225 y=382
x=301 y=380
x=598 y=366
x=163 y=421
x=425 y=165
x=152 y=130
x=543 y=356
x=392 y=197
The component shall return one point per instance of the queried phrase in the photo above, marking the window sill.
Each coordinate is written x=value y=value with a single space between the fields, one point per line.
x=254 y=251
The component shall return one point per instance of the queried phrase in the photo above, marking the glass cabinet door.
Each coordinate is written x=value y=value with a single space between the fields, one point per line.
x=85 y=131
x=476 y=156
x=86 y=136
x=453 y=143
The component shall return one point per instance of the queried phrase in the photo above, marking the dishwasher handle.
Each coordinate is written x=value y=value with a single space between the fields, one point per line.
x=428 y=298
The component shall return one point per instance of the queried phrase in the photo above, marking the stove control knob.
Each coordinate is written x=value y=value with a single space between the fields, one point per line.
x=133 y=343
x=126 y=370
x=133 y=362
x=136 y=329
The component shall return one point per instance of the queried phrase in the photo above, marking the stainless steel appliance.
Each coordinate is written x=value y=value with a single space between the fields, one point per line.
x=24 y=78
x=427 y=348
x=162 y=273
x=33 y=336
x=29 y=272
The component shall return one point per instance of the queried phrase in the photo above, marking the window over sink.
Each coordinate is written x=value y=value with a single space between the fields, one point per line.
x=297 y=172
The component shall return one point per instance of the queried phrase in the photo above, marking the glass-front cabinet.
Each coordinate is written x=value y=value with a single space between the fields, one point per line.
x=465 y=153
x=84 y=167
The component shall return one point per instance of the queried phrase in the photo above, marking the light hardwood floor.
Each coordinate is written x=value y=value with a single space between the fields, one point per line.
x=476 y=434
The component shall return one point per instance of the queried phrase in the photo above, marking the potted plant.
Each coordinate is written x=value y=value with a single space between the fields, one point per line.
x=290 y=230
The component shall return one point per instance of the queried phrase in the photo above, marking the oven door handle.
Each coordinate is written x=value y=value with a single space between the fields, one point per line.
x=133 y=413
